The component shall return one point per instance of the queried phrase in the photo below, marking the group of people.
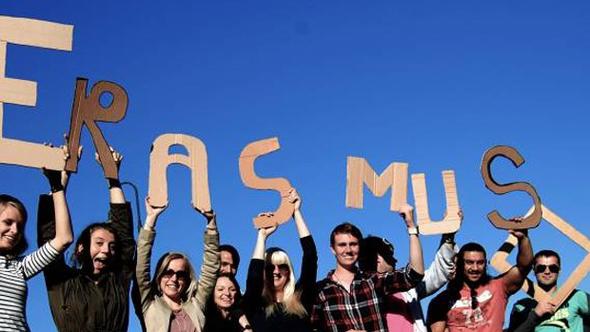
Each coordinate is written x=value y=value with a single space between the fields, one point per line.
x=366 y=291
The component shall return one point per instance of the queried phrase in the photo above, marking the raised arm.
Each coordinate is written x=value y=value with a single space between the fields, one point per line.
x=210 y=264
x=145 y=243
x=438 y=273
x=416 y=258
x=514 y=278
x=255 y=280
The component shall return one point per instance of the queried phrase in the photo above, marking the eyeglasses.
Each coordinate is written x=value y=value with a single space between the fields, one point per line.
x=179 y=274
x=540 y=268
x=282 y=267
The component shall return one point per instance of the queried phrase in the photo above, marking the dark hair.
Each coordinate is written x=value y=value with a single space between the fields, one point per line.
x=456 y=284
x=82 y=259
x=547 y=253
x=235 y=255
x=370 y=248
x=213 y=314
x=22 y=245
x=345 y=228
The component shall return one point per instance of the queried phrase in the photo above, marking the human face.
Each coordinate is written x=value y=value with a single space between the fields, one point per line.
x=11 y=228
x=225 y=292
x=175 y=279
x=102 y=249
x=227 y=263
x=546 y=277
x=279 y=274
x=346 y=250
x=383 y=266
x=475 y=265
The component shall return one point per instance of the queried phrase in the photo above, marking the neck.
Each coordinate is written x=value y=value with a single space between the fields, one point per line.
x=279 y=295
x=224 y=312
x=174 y=304
x=548 y=288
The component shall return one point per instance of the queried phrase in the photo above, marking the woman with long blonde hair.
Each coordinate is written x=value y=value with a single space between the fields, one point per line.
x=274 y=299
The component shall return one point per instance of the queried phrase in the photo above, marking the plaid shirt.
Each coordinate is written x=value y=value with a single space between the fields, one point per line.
x=337 y=309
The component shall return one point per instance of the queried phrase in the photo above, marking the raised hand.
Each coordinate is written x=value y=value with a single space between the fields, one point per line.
x=267 y=231
x=154 y=210
x=543 y=308
x=294 y=199
x=407 y=213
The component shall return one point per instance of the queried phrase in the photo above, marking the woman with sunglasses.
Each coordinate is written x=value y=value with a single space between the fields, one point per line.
x=274 y=300
x=174 y=300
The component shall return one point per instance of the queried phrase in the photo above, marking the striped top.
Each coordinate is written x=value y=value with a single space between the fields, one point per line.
x=13 y=288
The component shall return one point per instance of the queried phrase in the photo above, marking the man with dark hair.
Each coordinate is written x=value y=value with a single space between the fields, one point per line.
x=530 y=315
x=93 y=295
x=473 y=300
x=403 y=312
x=230 y=259
x=350 y=299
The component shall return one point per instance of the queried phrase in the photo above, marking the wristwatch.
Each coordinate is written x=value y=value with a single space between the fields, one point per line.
x=413 y=231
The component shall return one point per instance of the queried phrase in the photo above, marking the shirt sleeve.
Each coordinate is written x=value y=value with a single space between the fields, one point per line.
x=309 y=269
x=252 y=299
x=34 y=262
x=438 y=273
x=396 y=281
x=121 y=220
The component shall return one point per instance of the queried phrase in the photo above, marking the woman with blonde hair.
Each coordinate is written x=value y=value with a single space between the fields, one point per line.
x=175 y=300
x=274 y=299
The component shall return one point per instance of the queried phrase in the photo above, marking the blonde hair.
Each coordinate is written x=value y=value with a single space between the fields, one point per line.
x=162 y=266
x=291 y=297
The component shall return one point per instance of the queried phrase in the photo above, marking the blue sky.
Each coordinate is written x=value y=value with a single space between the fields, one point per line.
x=433 y=84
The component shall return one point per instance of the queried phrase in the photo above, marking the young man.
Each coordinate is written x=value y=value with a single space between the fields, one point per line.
x=349 y=299
x=530 y=315
x=474 y=301
x=94 y=296
x=230 y=259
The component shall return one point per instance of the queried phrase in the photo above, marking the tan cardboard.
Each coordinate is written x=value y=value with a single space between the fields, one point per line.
x=195 y=160
x=251 y=180
x=517 y=160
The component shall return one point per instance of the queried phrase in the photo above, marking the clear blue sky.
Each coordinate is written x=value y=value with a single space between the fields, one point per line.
x=433 y=84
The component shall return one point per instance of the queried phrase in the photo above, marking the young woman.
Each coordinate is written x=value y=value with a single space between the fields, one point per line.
x=92 y=295
x=174 y=300
x=274 y=300
x=16 y=269
x=223 y=312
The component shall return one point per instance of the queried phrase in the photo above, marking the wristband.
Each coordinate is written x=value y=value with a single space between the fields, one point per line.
x=114 y=183
x=56 y=187
x=413 y=231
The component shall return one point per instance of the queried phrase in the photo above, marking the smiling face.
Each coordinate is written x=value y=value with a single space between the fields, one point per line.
x=175 y=279
x=227 y=264
x=346 y=250
x=11 y=228
x=102 y=249
x=224 y=294
x=474 y=265
x=543 y=270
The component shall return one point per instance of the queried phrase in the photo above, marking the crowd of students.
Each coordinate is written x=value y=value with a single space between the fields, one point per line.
x=366 y=291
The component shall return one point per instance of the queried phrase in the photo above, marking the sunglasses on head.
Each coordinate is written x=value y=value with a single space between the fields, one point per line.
x=179 y=274
x=553 y=268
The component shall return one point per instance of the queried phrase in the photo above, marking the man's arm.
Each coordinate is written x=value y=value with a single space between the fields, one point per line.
x=514 y=278
x=438 y=273
x=437 y=313
x=416 y=258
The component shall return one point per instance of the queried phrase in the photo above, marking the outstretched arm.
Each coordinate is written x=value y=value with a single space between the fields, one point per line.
x=210 y=264
x=145 y=243
x=255 y=280
x=416 y=258
x=514 y=278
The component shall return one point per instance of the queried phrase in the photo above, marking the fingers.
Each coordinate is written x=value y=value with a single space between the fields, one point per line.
x=266 y=214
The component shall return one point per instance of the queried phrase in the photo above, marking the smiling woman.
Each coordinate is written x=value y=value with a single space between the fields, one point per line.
x=274 y=300
x=174 y=300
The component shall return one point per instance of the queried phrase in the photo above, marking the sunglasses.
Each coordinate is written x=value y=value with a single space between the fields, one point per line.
x=553 y=268
x=282 y=267
x=179 y=274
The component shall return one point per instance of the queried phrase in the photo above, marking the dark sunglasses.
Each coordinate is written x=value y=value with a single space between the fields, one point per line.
x=271 y=267
x=179 y=274
x=553 y=268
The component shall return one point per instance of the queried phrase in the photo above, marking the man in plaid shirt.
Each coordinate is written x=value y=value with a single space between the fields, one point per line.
x=350 y=300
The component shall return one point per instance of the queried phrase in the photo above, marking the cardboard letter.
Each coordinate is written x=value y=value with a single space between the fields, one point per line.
x=29 y=32
x=359 y=173
x=251 y=180
x=495 y=218
x=501 y=265
x=86 y=111
x=452 y=222
x=196 y=160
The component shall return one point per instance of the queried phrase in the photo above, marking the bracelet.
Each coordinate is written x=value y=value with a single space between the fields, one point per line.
x=56 y=187
x=413 y=231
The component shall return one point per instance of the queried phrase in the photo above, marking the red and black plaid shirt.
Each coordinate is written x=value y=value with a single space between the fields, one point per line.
x=337 y=309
